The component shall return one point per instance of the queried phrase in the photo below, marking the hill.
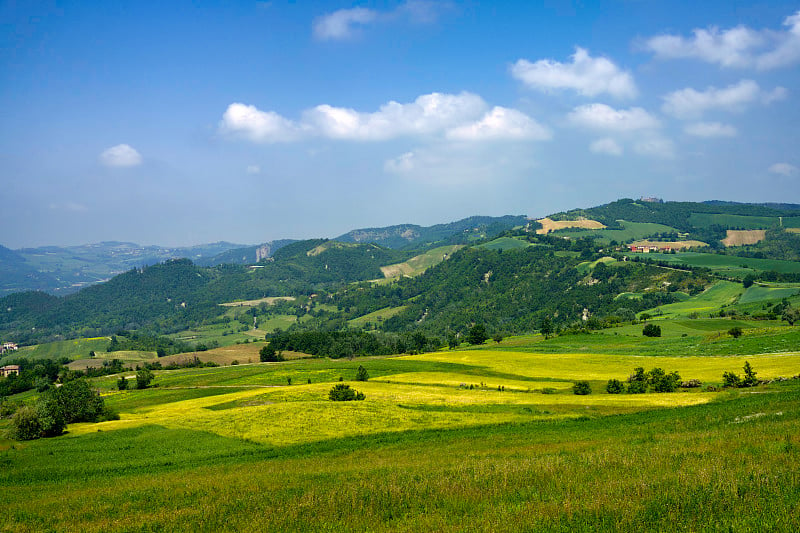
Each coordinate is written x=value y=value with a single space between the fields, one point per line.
x=411 y=236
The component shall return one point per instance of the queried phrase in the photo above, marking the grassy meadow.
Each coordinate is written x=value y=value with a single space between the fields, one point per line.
x=472 y=439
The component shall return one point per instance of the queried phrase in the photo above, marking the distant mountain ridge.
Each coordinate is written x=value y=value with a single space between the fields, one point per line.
x=411 y=236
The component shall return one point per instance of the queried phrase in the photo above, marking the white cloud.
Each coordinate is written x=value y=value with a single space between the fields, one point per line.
x=259 y=126
x=606 y=146
x=784 y=169
x=121 y=155
x=688 y=103
x=463 y=116
x=428 y=114
x=253 y=169
x=586 y=75
x=735 y=47
x=603 y=117
x=501 y=123
x=710 y=129
x=655 y=147
x=342 y=24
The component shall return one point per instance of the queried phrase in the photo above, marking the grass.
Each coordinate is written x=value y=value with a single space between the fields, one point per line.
x=71 y=349
x=376 y=317
x=631 y=231
x=691 y=469
x=705 y=220
x=756 y=293
x=720 y=294
x=728 y=265
x=505 y=243
x=420 y=263
x=238 y=448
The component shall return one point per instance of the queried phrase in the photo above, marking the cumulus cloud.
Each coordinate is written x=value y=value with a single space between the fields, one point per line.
x=121 y=155
x=606 y=146
x=259 y=126
x=344 y=23
x=253 y=169
x=687 y=103
x=586 y=75
x=463 y=116
x=784 y=169
x=501 y=123
x=735 y=47
x=710 y=129
x=604 y=117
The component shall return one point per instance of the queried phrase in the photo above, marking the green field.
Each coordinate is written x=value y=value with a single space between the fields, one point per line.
x=705 y=220
x=724 y=264
x=447 y=441
x=757 y=293
x=631 y=231
x=420 y=263
x=376 y=317
x=505 y=243
x=71 y=349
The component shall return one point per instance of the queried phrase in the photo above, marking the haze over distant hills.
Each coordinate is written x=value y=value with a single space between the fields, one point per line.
x=63 y=270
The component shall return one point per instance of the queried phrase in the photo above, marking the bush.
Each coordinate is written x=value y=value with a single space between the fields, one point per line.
x=651 y=330
x=614 y=386
x=343 y=393
x=25 y=424
x=729 y=379
x=750 y=379
x=361 y=374
x=581 y=388
x=143 y=378
x=735 y=332
x=477 y=334
x=122 y=383
x=268 y=354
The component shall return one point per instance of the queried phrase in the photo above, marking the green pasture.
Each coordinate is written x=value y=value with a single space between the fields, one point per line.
x=587 y=266
x=705 y=220
x=420 y=263
x=720 y=294
x=757 y=293
x=725 y=264
x=71 y=349
x=505 y=243
x=376 y=317
x=631 y=231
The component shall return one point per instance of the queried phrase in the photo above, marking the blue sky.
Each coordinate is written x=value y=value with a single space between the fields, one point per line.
x=179 y=123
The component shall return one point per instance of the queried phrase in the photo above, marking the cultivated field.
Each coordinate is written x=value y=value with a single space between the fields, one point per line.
x=420 y=263
x=549 y=225
x=675 y=245
x=743 y=237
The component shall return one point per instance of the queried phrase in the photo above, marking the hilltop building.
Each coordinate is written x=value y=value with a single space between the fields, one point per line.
x=8 y=370
x=8 y=347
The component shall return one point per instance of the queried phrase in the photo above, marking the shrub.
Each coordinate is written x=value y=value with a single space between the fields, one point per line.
x=143 y=378
x=25 y=424
x=729 y=379
x=614 y=386
x=735 y=332
x=269 y=354
x=361 y=374
x=477 y=334
x=343 y=393
x=750 y=379
x=581 y=388
x=122 y=383
x=651 y=330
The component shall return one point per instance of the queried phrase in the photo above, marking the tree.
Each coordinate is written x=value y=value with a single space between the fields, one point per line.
x=729 y=379
x=581 y=388
x=122 y=383
x=269 y=354
x=143 y=378
x=343 y=393
x=25 y=424
x=497 y=337
x=651 y=330
x=477 y=334
x=452 y=341
x=546 y=327
x=748 y=281
x=735 y=332
x=361 y=374
x=750 y=379
x=614 y=386
x=791 y=314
